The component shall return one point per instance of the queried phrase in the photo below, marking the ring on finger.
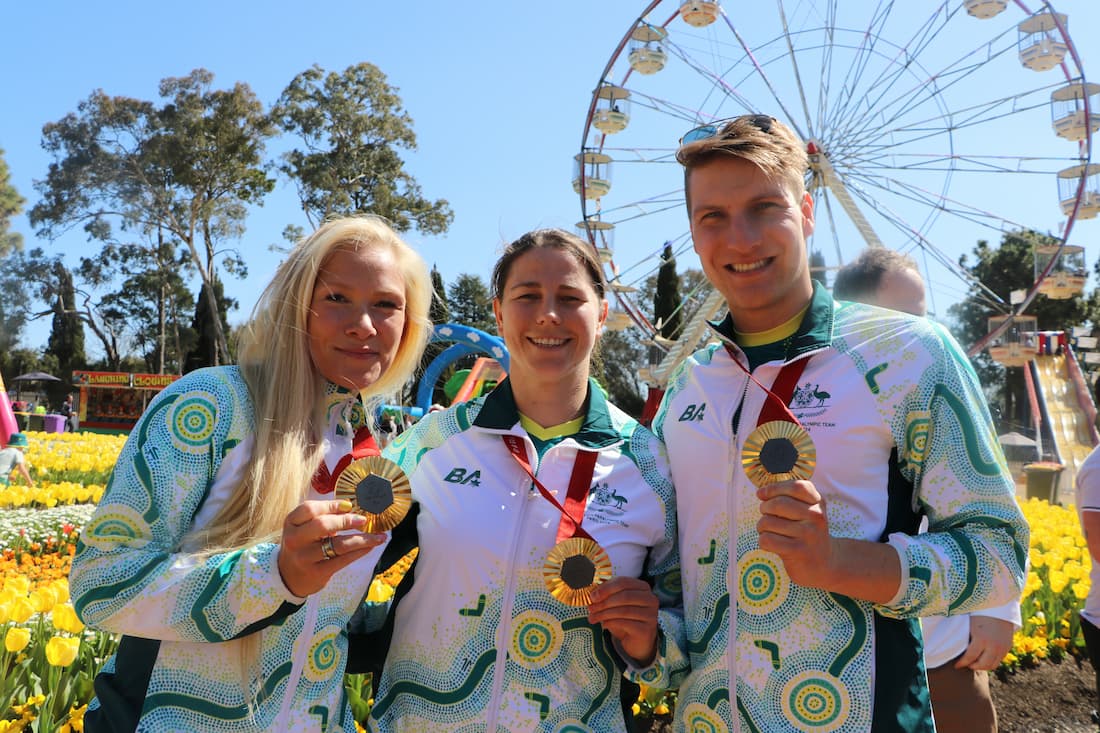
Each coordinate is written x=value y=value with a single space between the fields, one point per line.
x=327 y=549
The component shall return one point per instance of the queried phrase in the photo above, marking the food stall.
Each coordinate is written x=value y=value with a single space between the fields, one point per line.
x=115 y=400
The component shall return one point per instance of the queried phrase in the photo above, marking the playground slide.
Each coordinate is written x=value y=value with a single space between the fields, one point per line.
x=483 y=370
x=1073 y=431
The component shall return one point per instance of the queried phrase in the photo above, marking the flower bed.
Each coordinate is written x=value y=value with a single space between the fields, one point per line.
x=49 y=659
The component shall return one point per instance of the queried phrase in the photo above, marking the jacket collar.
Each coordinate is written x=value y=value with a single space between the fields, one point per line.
x=814 y=333
x=499 y=413
x=344 y=408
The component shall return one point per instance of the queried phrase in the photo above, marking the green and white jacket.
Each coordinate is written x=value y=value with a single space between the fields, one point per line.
x=177 y=668
x=901 y=429
x=479 y=644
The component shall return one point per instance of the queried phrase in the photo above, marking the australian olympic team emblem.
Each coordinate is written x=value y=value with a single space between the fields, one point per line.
x=809 y=396
x=605 y=495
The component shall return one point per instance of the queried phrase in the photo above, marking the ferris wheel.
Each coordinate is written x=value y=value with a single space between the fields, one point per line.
x=930 y=126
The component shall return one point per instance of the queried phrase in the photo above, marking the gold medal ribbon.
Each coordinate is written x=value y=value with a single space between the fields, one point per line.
x=576 y=496
x=779 y=449
x=577 y=563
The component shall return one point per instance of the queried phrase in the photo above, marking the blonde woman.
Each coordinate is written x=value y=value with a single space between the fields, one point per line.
x=218 y=551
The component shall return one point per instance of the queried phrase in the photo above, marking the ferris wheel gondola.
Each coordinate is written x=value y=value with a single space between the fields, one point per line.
x=929 y=128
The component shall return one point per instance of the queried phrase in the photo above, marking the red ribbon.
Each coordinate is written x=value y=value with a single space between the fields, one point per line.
x=363 y=445
x=577 y=495
x=779 y=396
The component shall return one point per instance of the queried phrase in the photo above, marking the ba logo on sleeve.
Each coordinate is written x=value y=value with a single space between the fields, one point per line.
x=693 y=412
x=460 y=475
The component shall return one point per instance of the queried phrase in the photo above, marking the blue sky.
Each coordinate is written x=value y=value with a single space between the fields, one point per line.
x=498 y=92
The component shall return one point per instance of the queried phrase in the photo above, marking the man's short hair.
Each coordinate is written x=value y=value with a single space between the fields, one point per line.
x=859 y=280
x=763 y=141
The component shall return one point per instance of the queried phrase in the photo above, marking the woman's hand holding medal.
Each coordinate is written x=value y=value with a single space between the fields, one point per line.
x=627 y=608
x=313 y=547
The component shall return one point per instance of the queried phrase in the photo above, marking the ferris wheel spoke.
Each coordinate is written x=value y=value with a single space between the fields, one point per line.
x=932 y=201
x=864 y=52
x=913 y=234
x=794 y=68
x=762 y=75
x=961 y=163
x=886 y=99
x=689 y=115
x=927 y=91
x=715 y=76
x=976 y=115
x=825 y=76
x=819 y=195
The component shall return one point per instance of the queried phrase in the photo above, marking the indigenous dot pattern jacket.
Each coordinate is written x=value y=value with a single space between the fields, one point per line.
x=479 y=644
x=178 y=665
x=901 y=429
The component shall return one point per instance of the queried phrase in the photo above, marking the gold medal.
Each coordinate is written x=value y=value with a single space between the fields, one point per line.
x=378 y=489
x=574 y=568
x=778 y=451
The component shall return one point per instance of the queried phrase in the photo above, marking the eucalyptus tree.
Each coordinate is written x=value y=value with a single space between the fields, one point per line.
x=350 y=127
x=133 y=173
x=73 y=302
x=155 y=300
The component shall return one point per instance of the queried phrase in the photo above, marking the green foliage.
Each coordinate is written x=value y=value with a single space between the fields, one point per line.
x=619 y=355
x=14 y=301
x=666 y=300
x=66 y=341
x=351 y=126
x=206 y=327
x=154 y=301
x=11 y=204
x=52 y=284
x=439 y=313
x=817 y=267
x=471 y=304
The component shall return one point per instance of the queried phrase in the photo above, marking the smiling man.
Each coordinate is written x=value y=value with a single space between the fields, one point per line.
x=805 y=446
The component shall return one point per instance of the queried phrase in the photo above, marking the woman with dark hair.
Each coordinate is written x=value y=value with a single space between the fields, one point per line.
x=545 y=514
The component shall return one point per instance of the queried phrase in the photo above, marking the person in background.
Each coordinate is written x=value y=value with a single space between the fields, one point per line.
x=805 y=444
x=12 y=459
x=1088 y=510
x=218 y=551
x=961 y=650
x=387 y=429
x=69 y=413
x=489 y=637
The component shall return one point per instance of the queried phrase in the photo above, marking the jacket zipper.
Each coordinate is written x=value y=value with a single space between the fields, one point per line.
x=508 y=601
x=732 y=581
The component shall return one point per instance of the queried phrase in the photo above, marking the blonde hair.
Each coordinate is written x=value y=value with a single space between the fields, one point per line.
x=286 y=389
x=761 y=140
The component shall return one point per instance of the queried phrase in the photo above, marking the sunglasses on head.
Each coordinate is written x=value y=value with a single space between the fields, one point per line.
x=760 y=122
